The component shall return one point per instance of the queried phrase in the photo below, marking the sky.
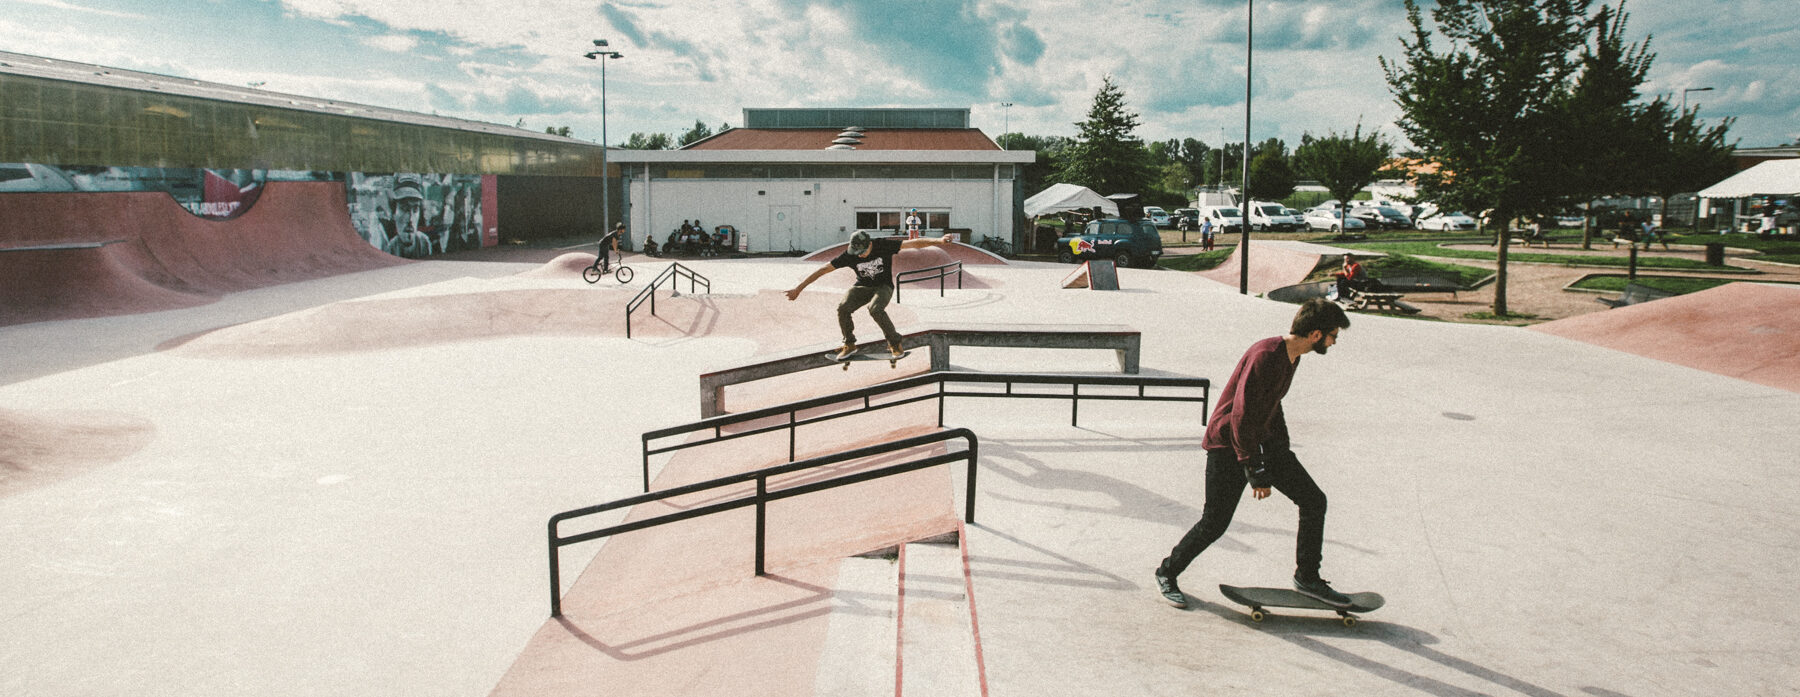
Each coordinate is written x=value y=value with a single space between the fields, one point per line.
x=1181 y=64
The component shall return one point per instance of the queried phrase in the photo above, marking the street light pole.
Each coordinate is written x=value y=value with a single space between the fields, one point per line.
x=1005 y=122
x=605 y=172
x=1691 y=89
x=1243 y=249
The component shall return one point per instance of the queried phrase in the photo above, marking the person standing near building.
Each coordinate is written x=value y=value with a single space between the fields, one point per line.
x=1206 y=234
x=912 y=224
x=1247 y=444
x=873 y=261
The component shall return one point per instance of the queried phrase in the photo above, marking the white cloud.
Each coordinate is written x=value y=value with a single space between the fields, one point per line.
x=60 y=5
x=392 y=43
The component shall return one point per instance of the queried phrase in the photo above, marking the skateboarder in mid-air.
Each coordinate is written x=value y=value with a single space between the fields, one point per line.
x=873 y=261
x=1247 y=444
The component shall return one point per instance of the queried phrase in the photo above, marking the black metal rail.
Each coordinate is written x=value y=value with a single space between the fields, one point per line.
x=941 y=272
x=670 y=275
x=787 y=415
x=763 y=495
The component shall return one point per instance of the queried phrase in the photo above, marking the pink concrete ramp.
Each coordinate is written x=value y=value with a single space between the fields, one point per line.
x=1274 y=264
x=72 y=255
x=1749 y=331
x=928 y=257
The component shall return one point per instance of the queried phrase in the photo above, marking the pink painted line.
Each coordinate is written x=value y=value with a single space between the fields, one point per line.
x=962 y=537
x=900 y=626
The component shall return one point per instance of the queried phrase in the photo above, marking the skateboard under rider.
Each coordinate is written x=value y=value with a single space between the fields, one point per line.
x=893 y=360
x=1259 y=598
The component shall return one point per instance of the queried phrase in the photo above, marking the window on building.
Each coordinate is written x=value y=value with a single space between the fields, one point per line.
x=896 y=219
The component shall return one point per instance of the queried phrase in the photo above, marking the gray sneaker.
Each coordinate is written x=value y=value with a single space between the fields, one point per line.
x=1319 y=589
x=1170 y=591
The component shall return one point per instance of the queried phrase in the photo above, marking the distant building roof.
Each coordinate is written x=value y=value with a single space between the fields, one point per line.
x=823 y=138
x=53 y=69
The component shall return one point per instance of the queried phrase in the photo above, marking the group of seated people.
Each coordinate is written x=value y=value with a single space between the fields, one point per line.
x=692 y=239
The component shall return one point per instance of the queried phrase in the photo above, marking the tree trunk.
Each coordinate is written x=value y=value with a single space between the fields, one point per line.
x=1504 y=238
x=1587 y=232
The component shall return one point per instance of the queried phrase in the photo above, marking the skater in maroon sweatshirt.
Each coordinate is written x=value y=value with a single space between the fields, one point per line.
x=1247 y=445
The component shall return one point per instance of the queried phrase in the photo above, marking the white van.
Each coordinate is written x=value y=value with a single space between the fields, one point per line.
x=1225 y=219
x=1271 y=216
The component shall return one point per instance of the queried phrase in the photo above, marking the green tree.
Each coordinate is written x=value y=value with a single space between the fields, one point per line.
x=563 y=131
x=647 y=141
x=696 y=134
x=1271 y=179
x=1480 y=109
x=1605 y=143
x=1107 y=156
x=1343 y=164
x=1692 y=156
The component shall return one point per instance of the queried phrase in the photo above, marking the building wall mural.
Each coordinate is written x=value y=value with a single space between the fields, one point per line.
x=406 y=214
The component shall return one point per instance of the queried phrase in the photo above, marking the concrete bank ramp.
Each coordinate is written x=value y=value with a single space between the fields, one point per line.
x=1276 y=264
x=1749 y=331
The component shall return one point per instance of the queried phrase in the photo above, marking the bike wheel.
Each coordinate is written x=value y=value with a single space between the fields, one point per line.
x=591 y=274
x=623 y=274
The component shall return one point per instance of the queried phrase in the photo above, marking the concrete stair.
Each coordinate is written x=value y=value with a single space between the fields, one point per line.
x=907 y=608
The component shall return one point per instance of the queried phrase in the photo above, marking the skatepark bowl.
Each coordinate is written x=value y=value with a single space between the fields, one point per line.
x=269 y=482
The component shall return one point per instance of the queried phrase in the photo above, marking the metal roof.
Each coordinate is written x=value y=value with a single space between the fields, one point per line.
x=54 y=69
x=872 y=139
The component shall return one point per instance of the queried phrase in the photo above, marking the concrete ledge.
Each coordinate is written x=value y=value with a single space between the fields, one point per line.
x=1123 y=340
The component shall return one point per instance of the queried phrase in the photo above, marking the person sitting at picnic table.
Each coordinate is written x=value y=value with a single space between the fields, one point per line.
x=1351 y=277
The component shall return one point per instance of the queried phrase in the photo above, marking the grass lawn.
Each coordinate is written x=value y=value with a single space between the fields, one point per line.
x=1782 y=250
x=1431 y=248
x=1676 y=285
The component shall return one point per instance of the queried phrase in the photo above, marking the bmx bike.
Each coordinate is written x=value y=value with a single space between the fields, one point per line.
x=603 y=265
x=996 y=245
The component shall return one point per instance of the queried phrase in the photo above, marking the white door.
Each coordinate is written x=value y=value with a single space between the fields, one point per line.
x=784 y=230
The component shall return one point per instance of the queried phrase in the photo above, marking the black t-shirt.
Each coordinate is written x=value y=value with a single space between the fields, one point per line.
x=877 y=269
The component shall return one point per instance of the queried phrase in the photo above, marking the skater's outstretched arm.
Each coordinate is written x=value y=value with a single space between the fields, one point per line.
x=816 y=275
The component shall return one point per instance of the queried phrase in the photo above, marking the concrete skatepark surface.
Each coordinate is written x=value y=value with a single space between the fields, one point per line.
x=339 y=486
x=1276 y=264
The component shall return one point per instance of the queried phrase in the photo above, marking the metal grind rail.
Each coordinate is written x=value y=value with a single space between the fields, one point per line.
x=671 y=275
x=941 y=272
x=787 y=416
x=761 y=498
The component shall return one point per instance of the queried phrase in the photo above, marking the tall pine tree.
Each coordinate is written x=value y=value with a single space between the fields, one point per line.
x=1107 y=156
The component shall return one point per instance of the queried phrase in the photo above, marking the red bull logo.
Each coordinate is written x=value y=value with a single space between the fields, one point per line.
x=1081 y=246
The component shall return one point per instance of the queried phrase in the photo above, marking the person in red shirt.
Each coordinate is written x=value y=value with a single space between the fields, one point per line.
x=1351 y=277
x=1247 y=445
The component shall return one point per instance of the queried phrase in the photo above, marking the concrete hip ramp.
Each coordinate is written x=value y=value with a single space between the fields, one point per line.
x=1741 y=330
x=74 y=255
x=1275 y=264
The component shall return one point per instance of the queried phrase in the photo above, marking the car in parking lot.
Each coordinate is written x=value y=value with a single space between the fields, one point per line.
x=1225 y=219
x=1126 y=242
x=1271 y=216
x=1327 y=219
x=1382 y=217
x=1157 y=216
x=1447 y=221
x=1186 y=218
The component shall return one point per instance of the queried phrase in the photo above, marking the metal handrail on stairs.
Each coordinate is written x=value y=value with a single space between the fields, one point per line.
x=670 y=274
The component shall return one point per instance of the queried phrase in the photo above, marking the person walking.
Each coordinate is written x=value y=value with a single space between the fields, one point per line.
x=873 y=261
x=1247 y=444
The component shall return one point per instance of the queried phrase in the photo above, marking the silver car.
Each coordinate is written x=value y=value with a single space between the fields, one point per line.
x=1327 y=219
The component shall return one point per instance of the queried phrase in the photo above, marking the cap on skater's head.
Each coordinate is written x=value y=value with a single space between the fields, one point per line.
x=859 y=243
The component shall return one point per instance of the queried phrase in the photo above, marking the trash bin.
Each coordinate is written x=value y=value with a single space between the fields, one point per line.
x=1715 y=254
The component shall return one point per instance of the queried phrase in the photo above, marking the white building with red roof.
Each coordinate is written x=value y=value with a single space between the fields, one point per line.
x=804 y=179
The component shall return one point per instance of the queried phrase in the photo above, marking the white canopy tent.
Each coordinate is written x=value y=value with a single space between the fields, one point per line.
x=1067 y=197
x=1772 y=178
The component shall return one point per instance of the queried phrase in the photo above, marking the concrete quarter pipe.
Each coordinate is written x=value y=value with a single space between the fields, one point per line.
x=74 y=255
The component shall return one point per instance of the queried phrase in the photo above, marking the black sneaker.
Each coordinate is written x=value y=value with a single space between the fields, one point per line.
x=1170 y=591
x=1319 y=589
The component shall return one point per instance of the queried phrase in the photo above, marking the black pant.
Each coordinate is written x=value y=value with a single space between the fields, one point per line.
x=1225 y=485
x=876 y=297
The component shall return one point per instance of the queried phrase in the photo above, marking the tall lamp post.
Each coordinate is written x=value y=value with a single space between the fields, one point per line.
x=1005 y=122
x=1243 y=249
x=1691 y=89
x=603 y=56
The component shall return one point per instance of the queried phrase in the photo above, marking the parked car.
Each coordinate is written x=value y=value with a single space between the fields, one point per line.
x=1157 y=216
x=1225 y=219
x=1447 y=221
x=1569 y=220
x=1126 y=242
x=1382 y=217
x=1327 y=219
x=1271 y=216
x=1186 y=218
